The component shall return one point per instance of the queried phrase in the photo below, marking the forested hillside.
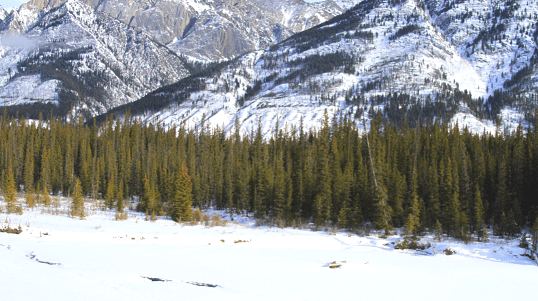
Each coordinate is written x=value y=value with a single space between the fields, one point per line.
x=430 y=178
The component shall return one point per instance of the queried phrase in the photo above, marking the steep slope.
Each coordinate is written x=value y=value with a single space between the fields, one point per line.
x=3 y=14
x=374 y=49
x=211 y=30
x=496 y=37
x=73 y=56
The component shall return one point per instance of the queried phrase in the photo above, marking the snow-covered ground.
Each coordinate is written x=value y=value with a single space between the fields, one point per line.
x=102 y=259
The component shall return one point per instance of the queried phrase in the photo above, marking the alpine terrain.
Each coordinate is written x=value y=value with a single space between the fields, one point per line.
x=470 y=62
x=183 y=61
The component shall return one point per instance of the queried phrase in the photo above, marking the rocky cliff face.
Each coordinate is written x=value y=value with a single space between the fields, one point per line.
x=404 y=58
x=71 y=55
x=3 y=13
x=209 y=30
x=465 y=61
x=498 y=38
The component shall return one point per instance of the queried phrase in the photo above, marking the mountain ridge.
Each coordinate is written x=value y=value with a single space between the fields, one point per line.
x=464 y=61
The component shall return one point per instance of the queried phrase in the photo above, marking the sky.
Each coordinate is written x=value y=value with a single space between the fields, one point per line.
x=11 y=3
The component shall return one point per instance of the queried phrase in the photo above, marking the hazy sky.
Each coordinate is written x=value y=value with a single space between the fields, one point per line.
x=12 y=3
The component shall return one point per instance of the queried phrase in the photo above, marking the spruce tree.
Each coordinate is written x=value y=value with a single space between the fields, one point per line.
x=149 y=200
x=30 y=198
x=501 y=198
x=479 y=224
x=396 y=197
x=77 y=206
x=110 y=196
x=46 y=196
x=433 y=205
x=535 y=235
x=279 y=189
x=383 y=210
x=322 y=201
x=120 y=197
x=463 y=226
x=29 y=169
x=512 y=228
x=182 y=203
x=438 y=230
x=45 y=170
x=412 y=223
x=10 y=192
x=120 y=213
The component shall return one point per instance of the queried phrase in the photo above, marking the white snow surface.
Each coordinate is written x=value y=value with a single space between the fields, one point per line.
x=102 y=259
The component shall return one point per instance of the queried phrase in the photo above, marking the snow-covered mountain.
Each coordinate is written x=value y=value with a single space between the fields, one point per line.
x=209 y=29
x=498 y=38
x=357 y=61
x=465 y=61
x=101 y=54
x=72 y=55
x=3 y=13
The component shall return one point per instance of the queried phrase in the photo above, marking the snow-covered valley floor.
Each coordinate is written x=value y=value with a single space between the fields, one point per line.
x=59 y=258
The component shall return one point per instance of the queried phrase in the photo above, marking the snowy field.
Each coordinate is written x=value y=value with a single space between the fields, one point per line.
x=59 y=258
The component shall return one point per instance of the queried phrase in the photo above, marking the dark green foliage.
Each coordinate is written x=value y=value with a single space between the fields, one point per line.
x=534 y=235
x=404 y=31
x=77 y=207
x=9 y=191
x=429 y=179
x=182 y=203
x=479 y=225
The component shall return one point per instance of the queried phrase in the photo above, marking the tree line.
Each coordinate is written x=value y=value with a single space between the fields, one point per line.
x=424 y=179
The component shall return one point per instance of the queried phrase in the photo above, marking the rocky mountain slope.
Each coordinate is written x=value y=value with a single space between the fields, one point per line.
x=421 y=61
x=208 y=29
x=97 y=55
x=465 y=61
x=72 y=55
x=3 y=13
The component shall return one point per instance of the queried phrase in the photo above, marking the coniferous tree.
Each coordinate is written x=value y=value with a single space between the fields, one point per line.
x=227 y=189
x=335 y=175
x=535 y=235
x=10 y=192
x=433 y=205
x=77 y=206
x=396 y=196
x=453 y=213
x=345 y=219
x=85 y=167
x=46 y=196
x=512 y=228
x=383 y=210
x=149 y=200
x=29 y=168
x=45 y=170
x=30 y=198
x=110 y=196
x=120 y=197
x=279 y=189
x=499 y=215
x=438 y=230
x=182 y=203
x=479 y=224
x=412 y=223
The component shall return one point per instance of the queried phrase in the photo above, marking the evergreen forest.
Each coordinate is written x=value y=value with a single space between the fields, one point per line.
x=424 y=179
